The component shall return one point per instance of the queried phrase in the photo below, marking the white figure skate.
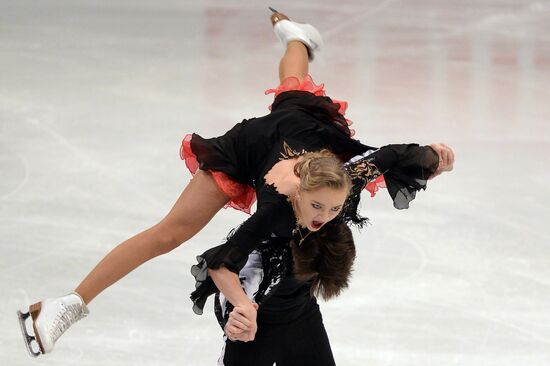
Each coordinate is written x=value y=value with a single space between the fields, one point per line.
x=50 y=319
x=287 y=30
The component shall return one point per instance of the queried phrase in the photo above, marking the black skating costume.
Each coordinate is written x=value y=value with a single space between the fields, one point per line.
x=300 y=121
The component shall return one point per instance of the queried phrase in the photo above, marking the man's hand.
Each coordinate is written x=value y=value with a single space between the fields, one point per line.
x=241 y=325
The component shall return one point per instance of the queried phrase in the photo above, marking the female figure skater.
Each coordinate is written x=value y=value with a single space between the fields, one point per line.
x=285 y=270
x=231 y=167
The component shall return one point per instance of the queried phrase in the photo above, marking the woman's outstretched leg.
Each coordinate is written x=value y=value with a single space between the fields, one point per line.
x=196 y=206
x=294 y=62
x=198 y=203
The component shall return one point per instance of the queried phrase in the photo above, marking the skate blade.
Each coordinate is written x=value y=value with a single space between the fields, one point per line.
x=26 y=337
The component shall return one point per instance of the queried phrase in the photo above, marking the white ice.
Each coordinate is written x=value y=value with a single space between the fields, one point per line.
x=95 y=98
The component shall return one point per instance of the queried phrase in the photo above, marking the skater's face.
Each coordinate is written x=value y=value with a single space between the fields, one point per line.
x=316 y=208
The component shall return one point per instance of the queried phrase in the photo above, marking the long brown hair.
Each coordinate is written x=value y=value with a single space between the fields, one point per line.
x=327 y=257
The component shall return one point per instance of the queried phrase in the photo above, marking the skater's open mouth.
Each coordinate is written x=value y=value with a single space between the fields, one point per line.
x=316 y=224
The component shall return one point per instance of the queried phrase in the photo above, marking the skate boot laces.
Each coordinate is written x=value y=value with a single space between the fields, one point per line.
x=69 y=315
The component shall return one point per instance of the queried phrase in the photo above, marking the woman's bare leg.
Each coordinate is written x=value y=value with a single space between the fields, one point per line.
x=198 y=203
x=294 y=62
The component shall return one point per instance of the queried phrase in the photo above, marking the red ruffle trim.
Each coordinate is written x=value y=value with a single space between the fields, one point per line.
x=375 y=185
x=241 y=196
x=293 y=83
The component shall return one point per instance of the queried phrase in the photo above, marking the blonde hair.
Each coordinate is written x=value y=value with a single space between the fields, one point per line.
x=321 y=169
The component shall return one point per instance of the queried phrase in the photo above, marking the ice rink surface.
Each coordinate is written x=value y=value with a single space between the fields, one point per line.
x=95 y=98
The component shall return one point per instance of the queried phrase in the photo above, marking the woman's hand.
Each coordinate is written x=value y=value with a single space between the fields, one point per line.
x=446 y=158
x=241 y=325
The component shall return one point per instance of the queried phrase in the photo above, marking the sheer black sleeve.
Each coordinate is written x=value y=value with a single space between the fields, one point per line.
x=271 y=216
x=406 y=169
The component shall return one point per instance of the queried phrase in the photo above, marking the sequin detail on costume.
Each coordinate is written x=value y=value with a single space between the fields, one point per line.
x=290 y=153
x=364 y=173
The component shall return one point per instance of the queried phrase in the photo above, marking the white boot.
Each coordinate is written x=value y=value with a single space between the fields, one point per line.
x=51 y=318
x=287 y=30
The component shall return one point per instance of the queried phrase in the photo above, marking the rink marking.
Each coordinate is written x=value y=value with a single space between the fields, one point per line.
x=23 y=181
x=357 y=19
x=79 y=155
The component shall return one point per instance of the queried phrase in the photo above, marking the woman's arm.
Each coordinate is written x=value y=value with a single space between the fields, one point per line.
x=230 y=286
x=242 y=321
x=232 y=256
x=403 y=169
